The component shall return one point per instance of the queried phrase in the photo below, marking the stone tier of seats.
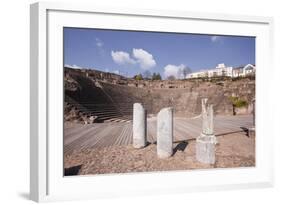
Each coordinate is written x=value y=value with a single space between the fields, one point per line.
x=113 y=102
x=92 y=100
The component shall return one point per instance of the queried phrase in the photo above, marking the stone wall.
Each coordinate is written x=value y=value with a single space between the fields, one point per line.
x=186 y=101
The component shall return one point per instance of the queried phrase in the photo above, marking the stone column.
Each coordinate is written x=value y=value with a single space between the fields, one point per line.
x=206 y=142
x=139 y=126
x=254 y=112
x=252 y=129
x=207 y=118
x=204 y=112
x=165 y=133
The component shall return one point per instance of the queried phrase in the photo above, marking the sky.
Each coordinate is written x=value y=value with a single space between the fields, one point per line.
x=132 y=52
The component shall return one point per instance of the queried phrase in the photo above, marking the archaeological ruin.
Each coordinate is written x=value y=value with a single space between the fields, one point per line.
x=139 y=126
x=165 y=128
x=95 y=96
x=206 y=142
x=112 y=122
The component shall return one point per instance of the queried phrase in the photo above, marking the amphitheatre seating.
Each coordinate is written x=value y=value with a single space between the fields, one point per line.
x=125 y=96
x=109 y=100
x=92 y=100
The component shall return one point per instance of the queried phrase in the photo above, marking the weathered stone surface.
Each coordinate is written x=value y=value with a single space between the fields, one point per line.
x=126 y=159
x=165 y=133
x=156 y=94
x=254 y=112
x=206 y=142
x=207 y=118
x=206 y=149
x=139 y=126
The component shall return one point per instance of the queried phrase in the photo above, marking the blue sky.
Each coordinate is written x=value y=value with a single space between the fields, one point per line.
x=129 y=52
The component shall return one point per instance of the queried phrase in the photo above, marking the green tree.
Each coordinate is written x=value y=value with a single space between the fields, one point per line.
x=237 y=103
x=156 y=76
x=138 y=77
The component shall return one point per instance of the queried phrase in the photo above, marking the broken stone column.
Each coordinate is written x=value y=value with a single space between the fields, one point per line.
x=139 y=126
x=252 y=130
x=254 y=112
x=165 y=133
x=207 y=118
x=206 y=142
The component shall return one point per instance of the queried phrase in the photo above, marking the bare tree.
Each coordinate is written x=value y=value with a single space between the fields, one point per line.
x=171 y=77
x=186 y=70
x=182 y=72
x=147 y=74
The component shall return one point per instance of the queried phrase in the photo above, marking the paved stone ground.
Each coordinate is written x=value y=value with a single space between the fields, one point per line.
x=101 y=135
x=232 y=150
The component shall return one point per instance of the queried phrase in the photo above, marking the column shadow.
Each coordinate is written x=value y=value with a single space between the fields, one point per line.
x=228 y=133
x=180 y=146
x=72 y=170
x=246 y=130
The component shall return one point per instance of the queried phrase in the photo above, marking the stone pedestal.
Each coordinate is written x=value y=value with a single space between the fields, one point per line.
x=139 y=126
x=165 y=133
x=252 y=132
x=206 y=148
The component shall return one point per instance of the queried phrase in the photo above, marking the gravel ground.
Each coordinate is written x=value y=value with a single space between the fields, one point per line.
x=234 y=150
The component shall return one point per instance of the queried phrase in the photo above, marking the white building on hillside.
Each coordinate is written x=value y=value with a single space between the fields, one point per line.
x=222 y=70
x=243 y=71
x=199 y=74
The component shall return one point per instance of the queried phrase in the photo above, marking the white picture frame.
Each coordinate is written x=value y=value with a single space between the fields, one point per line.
x=46 y=169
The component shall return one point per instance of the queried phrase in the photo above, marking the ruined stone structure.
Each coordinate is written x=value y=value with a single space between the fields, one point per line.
x=139 y=126
x=254 y=112
x=252 y=130
x=206 y=142
x=109 y=97
x=207 y=118
x=165 y=133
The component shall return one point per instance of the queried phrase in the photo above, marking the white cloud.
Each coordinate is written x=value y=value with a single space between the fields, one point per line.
x=139 y=56
x=174 y=70
x=116 y=72
x=100 y=46
x=72 y=66
x=215 y=38
x=121 y=58
x=99 y=43
x=144 y=58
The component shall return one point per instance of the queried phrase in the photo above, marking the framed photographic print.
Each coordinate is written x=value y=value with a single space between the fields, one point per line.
x=130 y=102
